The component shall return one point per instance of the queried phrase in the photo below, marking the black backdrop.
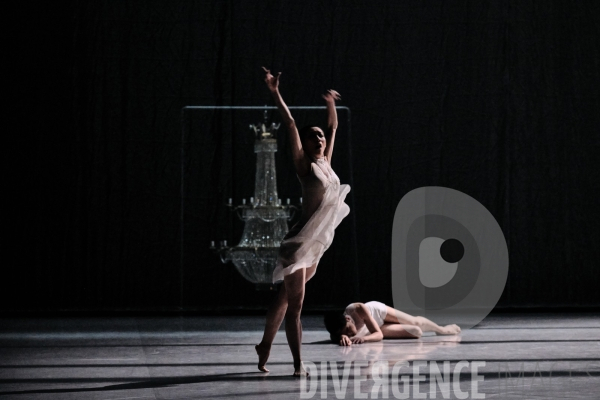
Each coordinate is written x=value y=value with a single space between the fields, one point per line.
x=498 y=99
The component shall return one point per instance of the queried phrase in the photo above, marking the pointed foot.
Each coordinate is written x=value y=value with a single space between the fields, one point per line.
x=263 y=356
x=449 y=330
x=299 y=371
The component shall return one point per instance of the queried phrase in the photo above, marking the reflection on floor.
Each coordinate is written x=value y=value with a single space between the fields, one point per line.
x=505 y=357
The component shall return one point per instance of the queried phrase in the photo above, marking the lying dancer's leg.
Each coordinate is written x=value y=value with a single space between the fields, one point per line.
x=398 y=317
x=275 y=315
x=400 y=331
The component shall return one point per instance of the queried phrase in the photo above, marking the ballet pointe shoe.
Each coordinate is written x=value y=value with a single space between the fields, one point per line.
x=263 y=356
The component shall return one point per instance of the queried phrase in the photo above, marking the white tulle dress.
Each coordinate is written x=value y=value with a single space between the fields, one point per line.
x=323 y=209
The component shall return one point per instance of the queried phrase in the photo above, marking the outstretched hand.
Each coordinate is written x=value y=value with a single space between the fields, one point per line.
x=272 y=81
x=332 y=96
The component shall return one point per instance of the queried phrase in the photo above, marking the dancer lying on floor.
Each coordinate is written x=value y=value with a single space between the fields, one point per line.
x=374 y=321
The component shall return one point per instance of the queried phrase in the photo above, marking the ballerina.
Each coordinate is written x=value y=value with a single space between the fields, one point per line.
x=374 y=321
x=323 y=208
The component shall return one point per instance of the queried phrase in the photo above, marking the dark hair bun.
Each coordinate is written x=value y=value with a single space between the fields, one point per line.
x=334 y=322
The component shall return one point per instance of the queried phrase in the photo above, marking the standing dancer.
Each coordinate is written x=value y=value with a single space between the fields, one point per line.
x=323 y=208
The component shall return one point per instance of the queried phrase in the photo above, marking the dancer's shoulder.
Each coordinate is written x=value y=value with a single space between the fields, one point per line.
x=354 y=306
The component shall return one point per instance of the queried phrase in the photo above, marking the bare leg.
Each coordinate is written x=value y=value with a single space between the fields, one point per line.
x=400 y=331
x=398 y=317
x=275 y=315
x=294 y=285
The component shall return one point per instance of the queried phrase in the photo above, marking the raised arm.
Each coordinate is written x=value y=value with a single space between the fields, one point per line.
x=332 y=123
x=295 y=143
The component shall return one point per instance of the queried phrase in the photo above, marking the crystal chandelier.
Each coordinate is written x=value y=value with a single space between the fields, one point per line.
x=265 y=218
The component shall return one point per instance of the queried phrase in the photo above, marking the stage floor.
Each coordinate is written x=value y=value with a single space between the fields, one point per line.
x=507 y=356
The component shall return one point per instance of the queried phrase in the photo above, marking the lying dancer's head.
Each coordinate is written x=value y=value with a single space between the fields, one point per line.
x=338 y=324
x=313 y=140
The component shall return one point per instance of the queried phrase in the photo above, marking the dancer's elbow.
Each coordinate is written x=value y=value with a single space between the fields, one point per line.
x=290 y=123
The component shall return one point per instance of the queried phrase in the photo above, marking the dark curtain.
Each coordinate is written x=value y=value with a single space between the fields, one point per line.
x=497 y=99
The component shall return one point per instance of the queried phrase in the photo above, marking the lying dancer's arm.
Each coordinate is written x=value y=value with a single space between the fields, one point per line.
x=302 y=166
x=332 y=123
